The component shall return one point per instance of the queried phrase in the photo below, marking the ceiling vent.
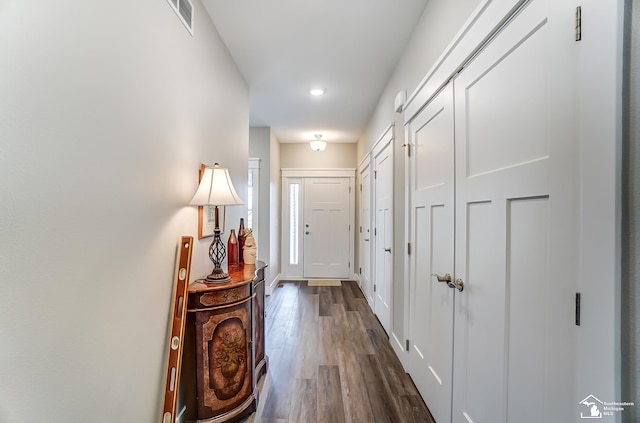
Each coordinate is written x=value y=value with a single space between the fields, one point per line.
x=184 y=10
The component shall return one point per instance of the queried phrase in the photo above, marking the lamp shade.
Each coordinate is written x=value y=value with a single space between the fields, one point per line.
x=216 y=189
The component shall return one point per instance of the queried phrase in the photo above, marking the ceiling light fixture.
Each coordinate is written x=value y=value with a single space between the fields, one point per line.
x=316 y=91
x=318 y=144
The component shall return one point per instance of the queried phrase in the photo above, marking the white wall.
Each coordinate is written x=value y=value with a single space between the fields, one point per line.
x=106 y=112
x=438 y=24
x=275 y=193
x=264 y=145
x=301 y=156
x=259 y=148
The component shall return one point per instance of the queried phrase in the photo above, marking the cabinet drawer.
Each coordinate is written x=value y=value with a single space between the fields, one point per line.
x=210 y=299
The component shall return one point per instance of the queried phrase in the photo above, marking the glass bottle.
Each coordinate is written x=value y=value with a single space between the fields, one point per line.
x=241 y=238
x=232 y=249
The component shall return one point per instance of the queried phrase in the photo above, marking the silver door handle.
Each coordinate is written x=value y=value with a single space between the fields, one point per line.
x=366 y=239
x=388 y=250
x=445 y=278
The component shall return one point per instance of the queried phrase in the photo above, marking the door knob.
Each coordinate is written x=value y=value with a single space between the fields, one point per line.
x=307 y=232
x=458 y=284
x=446 y=278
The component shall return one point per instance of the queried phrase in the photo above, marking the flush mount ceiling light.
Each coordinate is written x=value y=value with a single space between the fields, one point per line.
x=318 y=144
x=316 y=91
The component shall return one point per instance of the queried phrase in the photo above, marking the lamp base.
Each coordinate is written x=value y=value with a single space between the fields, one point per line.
x=217 y=276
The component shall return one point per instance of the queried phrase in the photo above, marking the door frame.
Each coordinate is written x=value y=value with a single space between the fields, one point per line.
x=366 y=283
x=292 y=271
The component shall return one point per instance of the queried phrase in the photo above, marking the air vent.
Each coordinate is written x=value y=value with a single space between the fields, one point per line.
x=184 y=10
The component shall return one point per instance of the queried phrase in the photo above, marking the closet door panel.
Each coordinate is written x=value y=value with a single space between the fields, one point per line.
x=527 y=294
x=513 y=238
x=383 y=234
x=431 y=165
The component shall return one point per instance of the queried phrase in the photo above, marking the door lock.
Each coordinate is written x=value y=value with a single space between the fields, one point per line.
x=458 y=284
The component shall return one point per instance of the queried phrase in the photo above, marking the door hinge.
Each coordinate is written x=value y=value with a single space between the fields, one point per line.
x=407 y=345
x=409 y=150
x=349 y=265
x=578 y=300
x=349 y=190
x=360 y=187
x=374 y=287
x=375 y=231
x=375 y=174
x=578 y=23
x=349 y=227
x=360 y=229
x=409 y=248
x=360 y=271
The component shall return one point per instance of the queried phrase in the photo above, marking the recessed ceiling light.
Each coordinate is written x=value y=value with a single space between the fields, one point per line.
x=316 y=91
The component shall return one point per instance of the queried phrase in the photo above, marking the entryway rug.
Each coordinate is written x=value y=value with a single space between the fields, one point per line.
x=323 y=282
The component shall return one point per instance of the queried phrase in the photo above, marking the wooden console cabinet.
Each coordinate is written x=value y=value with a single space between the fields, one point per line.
x=224 y=346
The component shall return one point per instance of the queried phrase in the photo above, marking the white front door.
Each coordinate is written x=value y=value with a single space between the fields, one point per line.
x=515 y=237
x=431 y=167
x=326 y=228
x=383 y=234
x=365 y=234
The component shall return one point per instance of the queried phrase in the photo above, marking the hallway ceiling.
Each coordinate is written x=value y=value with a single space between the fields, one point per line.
x=284 y=48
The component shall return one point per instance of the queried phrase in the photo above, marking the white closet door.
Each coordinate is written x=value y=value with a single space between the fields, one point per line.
x=326 y=227
x=430 y=135
x=515 y=224
x=383 y=234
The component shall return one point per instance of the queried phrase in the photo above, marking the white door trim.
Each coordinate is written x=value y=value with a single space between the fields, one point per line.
x=365 y=233
x=318 y=173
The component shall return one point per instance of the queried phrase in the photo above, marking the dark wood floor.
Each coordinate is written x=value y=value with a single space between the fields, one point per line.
x=330 y=361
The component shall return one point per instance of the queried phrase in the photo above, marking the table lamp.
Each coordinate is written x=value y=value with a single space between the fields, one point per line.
x=216 y=189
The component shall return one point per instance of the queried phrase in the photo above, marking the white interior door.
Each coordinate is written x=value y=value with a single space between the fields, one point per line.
x=365 y=234
x=383 y=234
x=515 y=241
x=326 y=227
x=431 y=136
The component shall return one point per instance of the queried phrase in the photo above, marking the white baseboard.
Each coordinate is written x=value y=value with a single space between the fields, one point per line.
x=272 y=285
x=180 y=416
